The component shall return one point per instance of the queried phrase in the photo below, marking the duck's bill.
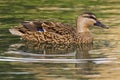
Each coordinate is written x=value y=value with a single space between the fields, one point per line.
x=100 y=24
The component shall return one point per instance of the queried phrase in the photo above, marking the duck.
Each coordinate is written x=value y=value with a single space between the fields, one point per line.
x=57 y=32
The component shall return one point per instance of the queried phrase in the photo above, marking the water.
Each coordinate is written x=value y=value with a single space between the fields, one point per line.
x=21 y=60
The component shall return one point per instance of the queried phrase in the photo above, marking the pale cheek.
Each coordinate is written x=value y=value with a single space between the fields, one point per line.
x=92 y=22
x=89 y=22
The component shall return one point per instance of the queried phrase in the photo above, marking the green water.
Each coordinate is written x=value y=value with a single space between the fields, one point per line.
x=27 y=61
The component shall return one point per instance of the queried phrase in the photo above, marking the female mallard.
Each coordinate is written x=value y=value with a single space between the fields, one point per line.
x=55 y=32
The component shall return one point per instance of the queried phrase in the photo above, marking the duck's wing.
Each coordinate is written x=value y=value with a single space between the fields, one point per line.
x=55 y=27
x=44 y=26
x=58 y=28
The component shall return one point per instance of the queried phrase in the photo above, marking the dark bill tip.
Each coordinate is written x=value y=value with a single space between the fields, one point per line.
x=98 y=23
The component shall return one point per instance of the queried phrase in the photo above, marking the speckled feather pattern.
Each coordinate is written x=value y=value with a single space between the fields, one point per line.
x=50 y=37
x=55 y=33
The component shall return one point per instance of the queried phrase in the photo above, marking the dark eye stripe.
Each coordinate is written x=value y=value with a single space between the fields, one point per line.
x=93 y=17
x=90 y=17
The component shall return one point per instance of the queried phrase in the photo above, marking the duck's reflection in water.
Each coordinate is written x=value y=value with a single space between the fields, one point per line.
x=87 y=67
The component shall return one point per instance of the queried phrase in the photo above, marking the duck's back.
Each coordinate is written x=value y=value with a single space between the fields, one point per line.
x=51 y=32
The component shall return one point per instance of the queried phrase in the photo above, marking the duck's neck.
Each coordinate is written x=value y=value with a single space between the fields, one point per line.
x=82 y=26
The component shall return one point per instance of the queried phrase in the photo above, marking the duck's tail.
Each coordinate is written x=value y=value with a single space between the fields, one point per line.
x=27 y=26
x=16 y=32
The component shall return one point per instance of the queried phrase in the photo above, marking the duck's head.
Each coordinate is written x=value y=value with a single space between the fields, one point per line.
x=88 y=19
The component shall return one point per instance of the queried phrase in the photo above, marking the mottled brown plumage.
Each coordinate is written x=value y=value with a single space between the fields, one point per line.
x=56 y=32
